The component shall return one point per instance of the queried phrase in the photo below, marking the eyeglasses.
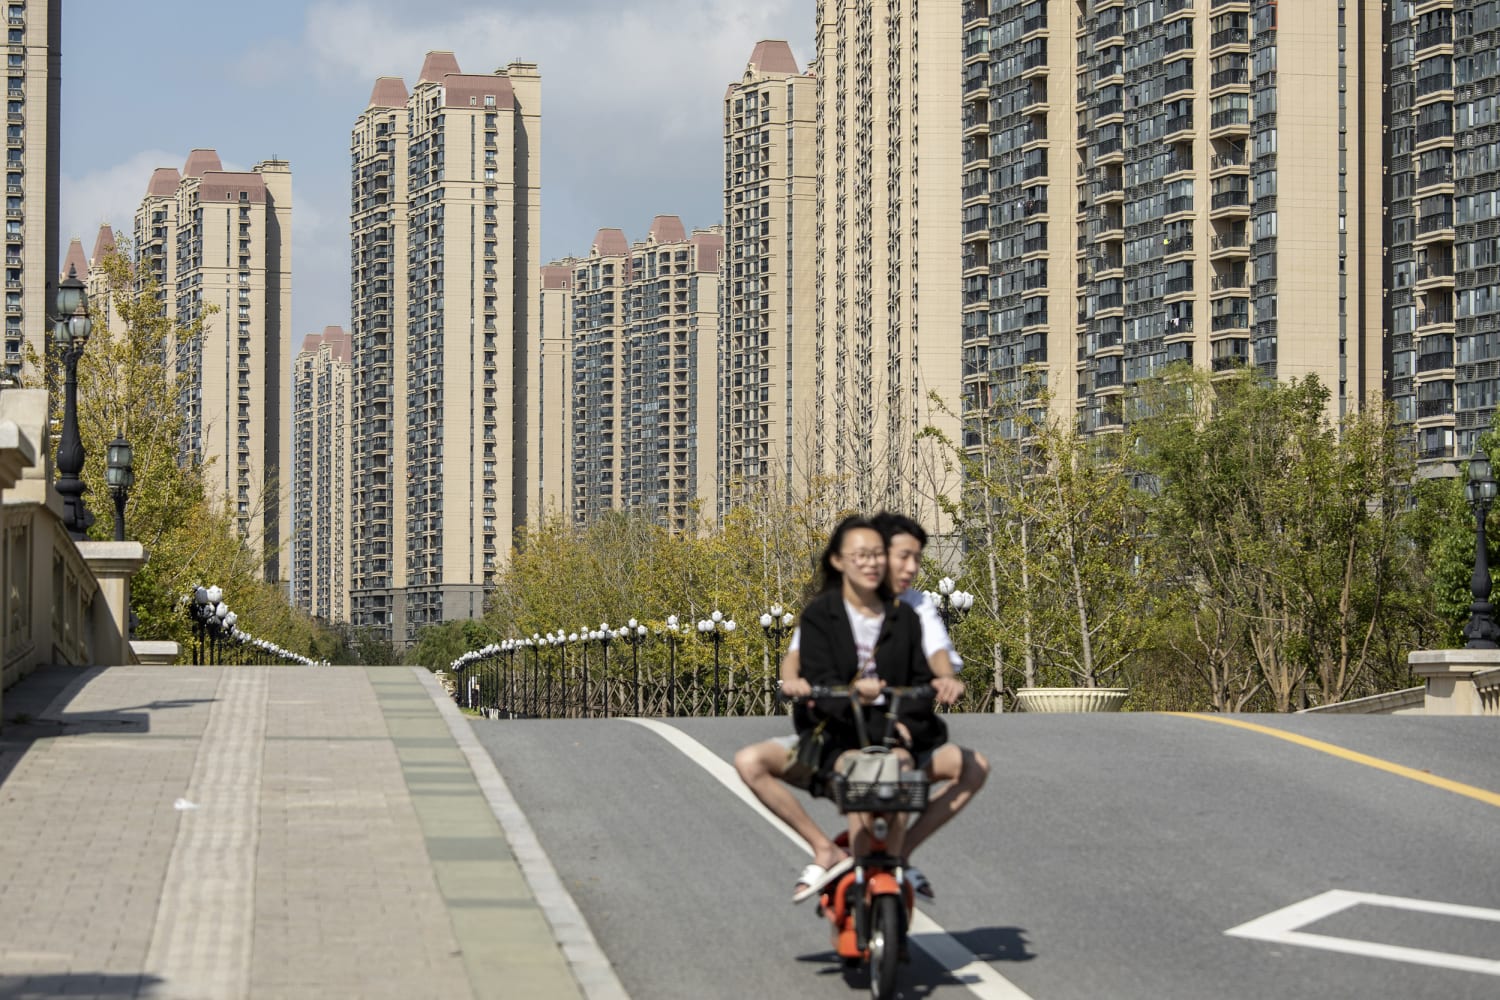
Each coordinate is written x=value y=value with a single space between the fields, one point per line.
x=866 y=556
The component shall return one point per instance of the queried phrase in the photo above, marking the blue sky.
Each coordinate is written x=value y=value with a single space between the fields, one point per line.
x=631 y=105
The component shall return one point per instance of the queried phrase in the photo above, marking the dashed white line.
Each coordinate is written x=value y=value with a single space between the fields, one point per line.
x=963 y=965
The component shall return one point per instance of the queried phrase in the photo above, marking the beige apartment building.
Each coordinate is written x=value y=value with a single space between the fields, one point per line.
x=645 y=332
x=33 y=96
x=323 y=449
x=102 y=302
x=223 y=239
x=767 y=394
x=378 y=290
x=549 y=433
x=1168 y=182
x=888 y=249
x=460 y=231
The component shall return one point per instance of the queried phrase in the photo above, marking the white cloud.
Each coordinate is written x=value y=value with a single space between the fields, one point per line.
x=108 y=195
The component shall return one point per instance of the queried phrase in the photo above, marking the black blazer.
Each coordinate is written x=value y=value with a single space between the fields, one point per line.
x=829 y=658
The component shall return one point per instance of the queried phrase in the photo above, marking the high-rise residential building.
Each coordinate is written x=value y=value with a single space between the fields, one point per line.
x=33 y=98
x=223 y=238
x=378 y=286
x=323 y=459
x=102 y=302
x=767 y=399
x=1476 y=208
x=888 y=247
x=466 y=246
x=601 y=362
x=1443 y=193
x=549 y=433
x=1171 y=181
x=645 y=374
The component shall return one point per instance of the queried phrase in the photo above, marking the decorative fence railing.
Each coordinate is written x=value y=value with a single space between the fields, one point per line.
x=1487 y=685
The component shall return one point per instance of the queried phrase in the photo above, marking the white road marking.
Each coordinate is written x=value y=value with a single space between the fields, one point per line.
x=980 y=977
x=1281 y=927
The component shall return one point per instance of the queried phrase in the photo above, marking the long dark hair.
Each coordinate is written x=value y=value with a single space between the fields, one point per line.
x=832 y=578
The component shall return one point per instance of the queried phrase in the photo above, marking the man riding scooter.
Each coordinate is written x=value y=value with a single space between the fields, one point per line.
x=763 y=766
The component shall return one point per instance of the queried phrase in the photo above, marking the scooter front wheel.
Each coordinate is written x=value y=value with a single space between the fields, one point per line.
x=887 y=928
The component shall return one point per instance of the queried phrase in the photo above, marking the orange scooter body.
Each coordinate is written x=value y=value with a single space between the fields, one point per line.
x=880 y=882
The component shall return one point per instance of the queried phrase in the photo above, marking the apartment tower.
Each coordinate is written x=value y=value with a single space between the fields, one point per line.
x=322 y=467
x=1019 y=267
x=549 y=433
x=378 y=286
x=457 y=341
x=645 y=374
x=601 y=358
x=1443 y=189
x=33 y=97
x=888 y=247
x=1229 y=195
x=223 y=238
x=766 y=396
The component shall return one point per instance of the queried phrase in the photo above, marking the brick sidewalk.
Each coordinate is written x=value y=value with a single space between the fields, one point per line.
x=278 y=832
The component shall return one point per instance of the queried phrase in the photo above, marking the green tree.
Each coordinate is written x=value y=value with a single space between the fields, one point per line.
x=126 y=387
x=1282 y=531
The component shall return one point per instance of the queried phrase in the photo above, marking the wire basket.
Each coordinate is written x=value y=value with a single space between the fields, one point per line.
x=909 y=794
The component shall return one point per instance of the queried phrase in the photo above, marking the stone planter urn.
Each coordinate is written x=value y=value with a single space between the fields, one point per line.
x=1070 y=699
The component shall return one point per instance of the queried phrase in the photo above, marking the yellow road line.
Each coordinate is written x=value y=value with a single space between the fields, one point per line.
x=1456 y=787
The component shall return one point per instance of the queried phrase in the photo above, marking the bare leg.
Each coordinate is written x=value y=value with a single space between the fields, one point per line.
x=761 y=766
x=965 y=771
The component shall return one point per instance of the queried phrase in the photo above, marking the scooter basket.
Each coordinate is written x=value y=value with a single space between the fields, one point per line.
x=909 y=794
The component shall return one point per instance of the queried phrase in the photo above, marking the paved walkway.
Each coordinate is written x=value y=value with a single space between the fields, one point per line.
x=278 y=832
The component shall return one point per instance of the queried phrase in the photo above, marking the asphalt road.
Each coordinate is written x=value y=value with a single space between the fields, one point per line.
x=1106 y=858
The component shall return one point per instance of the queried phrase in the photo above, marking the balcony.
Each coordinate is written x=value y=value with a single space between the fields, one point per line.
x=1228 y=36
x=1436 y=176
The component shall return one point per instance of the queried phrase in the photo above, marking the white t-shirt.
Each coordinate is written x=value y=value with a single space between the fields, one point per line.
x=934 y=635
x=866 y=634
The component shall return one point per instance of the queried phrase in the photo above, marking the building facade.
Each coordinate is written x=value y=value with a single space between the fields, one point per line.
x=378 y=289
x=323 y=460
x=33 y=96
x=645 y=337
x=549 y=439
x=1170 y=182
x=460 y=231
x=888 y=247
x=770 y=230
x=223 y=239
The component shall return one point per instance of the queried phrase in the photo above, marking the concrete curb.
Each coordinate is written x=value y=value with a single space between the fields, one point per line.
x=591 y=967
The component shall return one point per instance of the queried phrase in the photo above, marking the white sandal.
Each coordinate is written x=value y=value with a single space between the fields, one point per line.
x=815 y=878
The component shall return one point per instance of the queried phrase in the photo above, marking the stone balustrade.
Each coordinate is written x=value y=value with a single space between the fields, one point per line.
x=1487 y=687
x=61 y=601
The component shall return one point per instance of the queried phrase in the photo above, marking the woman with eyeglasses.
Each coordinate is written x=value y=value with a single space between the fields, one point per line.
x=854 y=632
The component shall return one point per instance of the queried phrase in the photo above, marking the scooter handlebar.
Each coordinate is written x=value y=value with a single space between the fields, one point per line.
x=845 y=690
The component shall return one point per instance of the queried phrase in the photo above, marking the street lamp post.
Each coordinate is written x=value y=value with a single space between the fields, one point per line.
x=634 y=633
x=1481 y=631
x=714 y=628
x=777 y=624
x=206 y=601
x=952 y=604
x=70 y=334
x=604 y=636
x=536 y=642
x=119 y=473
x=672 y=635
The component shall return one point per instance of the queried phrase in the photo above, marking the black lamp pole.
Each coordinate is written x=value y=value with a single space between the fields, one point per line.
x=119 y=473
x=70 y=334
x=634 y=634
x=1482 y=630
